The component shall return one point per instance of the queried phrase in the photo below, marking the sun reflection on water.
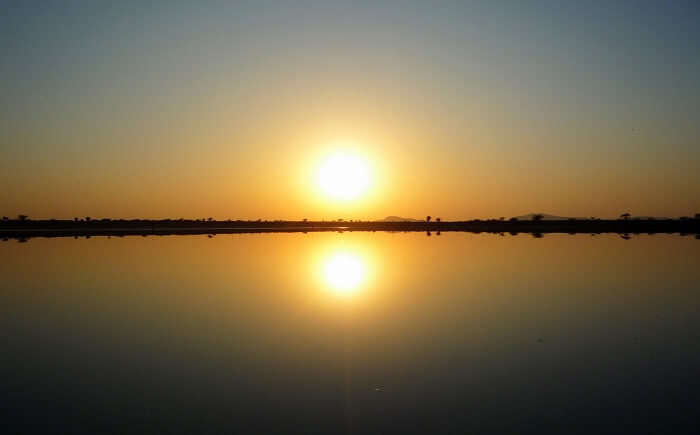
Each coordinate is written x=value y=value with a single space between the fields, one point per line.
x=344 y=272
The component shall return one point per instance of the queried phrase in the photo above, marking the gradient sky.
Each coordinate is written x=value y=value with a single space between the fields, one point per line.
x=464 y=109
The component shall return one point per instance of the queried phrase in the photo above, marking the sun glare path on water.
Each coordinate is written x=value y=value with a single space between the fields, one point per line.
x=344 y=272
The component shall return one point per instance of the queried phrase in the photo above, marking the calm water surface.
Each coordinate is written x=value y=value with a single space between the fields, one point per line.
x=350 y=333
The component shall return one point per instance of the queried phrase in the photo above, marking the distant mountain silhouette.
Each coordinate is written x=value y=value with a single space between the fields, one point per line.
x=399 y=219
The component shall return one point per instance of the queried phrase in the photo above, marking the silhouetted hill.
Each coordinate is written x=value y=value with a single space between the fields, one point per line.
x=398 y=219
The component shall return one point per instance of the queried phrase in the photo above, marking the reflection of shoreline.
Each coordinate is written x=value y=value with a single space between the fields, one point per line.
x=29 y=229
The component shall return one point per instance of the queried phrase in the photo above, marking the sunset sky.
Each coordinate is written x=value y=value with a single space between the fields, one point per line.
x=455 y=109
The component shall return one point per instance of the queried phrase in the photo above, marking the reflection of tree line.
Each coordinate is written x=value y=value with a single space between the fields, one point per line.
x=23 y=238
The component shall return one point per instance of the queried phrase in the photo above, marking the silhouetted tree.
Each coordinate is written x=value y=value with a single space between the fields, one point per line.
x=87 y=218
x=76 y=219
x=437 y=219
x=427 y=218
x=625 y=216
x=210 y=219
x=537 y=217
x=4 y=218
x=22 y=217
x=697 y=215
x=513 y=219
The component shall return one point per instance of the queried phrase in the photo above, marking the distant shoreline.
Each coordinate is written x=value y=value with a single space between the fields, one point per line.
x=16 y=229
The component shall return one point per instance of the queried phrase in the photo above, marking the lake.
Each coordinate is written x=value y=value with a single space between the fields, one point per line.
x=362 y=332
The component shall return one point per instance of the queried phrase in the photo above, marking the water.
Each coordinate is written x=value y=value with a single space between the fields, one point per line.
x=350 y=333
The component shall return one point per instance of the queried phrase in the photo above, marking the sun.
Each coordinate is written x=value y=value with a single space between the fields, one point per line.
x=343 y=176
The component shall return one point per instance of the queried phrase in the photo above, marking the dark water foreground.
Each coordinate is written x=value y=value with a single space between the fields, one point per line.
x=56 y=228
x=359 y=332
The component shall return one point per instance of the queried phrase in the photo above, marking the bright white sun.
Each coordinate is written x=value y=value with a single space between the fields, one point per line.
x=343 y=176
x=344 y=272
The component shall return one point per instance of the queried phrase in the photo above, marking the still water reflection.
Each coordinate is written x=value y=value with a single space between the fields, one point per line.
x=350 y=333
x=344 y=272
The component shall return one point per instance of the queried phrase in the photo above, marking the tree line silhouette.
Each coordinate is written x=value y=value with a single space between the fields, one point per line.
x=23 y=227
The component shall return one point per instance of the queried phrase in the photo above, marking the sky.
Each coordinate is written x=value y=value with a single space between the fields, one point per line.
x=460 y=109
